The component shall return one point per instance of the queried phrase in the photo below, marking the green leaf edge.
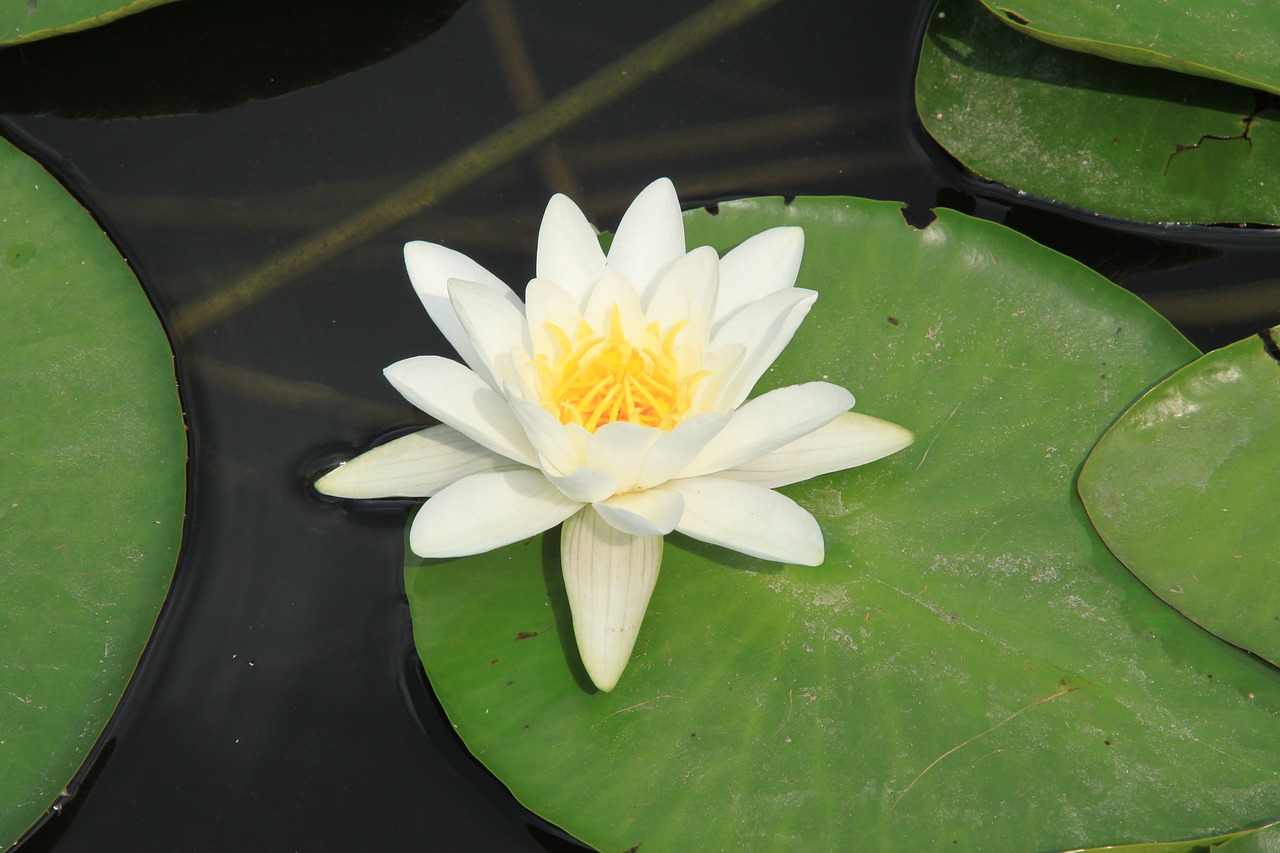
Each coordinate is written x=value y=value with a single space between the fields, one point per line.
x=1130 y=54
x=133 y=7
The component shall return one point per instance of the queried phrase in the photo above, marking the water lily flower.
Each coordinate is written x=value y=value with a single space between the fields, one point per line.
x=615 y=399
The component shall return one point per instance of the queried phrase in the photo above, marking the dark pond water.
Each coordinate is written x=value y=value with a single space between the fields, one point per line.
x=280 y=706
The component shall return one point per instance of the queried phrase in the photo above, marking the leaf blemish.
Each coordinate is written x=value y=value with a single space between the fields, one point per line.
x=1262 y=101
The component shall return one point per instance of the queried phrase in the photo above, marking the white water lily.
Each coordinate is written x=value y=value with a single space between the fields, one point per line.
x=614 y=399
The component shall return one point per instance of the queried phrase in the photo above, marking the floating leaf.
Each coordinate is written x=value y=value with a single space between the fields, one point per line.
x=1141 y=143
x=39 y=19
x=969 y=669
x=1184 y=490
x=175 y=60
x=1231 y=41
x=93 y=463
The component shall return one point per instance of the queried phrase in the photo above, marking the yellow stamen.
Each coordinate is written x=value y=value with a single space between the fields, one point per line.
x=593 y=380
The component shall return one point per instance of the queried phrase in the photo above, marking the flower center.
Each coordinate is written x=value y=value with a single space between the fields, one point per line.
x=598 y=379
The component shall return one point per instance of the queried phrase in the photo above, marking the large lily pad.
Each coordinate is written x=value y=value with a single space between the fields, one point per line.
x=1128 y=141
x=971 y=669
x=93 y=467
x=1184 y=490
x=1235 y=40
x=38 y=19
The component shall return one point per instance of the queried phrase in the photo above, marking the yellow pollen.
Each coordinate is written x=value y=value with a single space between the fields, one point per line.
x=597 y=379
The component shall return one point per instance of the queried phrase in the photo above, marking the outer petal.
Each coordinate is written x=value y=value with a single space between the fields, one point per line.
x=688 y=293
x=676 y=448
x=764 y=328
x=609 y=577
x=413 y=466
x=761 y=265
x=430 y=267
x=453 y=394
x=569 y=251
x=848 y=441
x=650 y=513
x=770 y=421
x=486 y=511
x=493 y=325
x=650 y=237
x=749 y=519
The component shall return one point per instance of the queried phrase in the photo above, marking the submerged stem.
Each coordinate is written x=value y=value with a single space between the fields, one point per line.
x=500 y=147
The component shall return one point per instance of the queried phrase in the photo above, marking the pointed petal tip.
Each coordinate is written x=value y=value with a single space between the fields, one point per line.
x=416 y=252
x=604 y=677
x=330 y=483
x=663 y=184
x=813 y=558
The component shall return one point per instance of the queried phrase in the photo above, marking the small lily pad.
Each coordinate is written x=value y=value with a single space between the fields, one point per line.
x=39 y=19
x=970 y=668
x=1232 y=41
x=93 y=467
x=1184 y=490
x=1123 y=140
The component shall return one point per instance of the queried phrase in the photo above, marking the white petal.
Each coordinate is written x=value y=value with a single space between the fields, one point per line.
x=585 y=485
x=611 y=291
x=486 y=511
x=724 y=363
x=492 y=324
x=676 y=448
x=650 y=237
x=609 y=577
x=547 y=435
x=413 y=466
x=688 y=293
x=547 y=302
x=569 y=251
x=770 y=421
x=764 y=328
x=749 y=519
x=620 y=448
x=649 y=513
x=761 y=265
x=430 y=267
x=455 y=395
x=848 y=441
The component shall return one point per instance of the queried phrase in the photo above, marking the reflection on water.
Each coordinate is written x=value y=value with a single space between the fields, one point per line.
x=281 y=706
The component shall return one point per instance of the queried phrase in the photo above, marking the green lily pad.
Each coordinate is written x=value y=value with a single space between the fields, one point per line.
x=39 y=19
x=970 y=668
x=1127 y=141
x=1184 y=490
x=93 y=463
x=1231 y=41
